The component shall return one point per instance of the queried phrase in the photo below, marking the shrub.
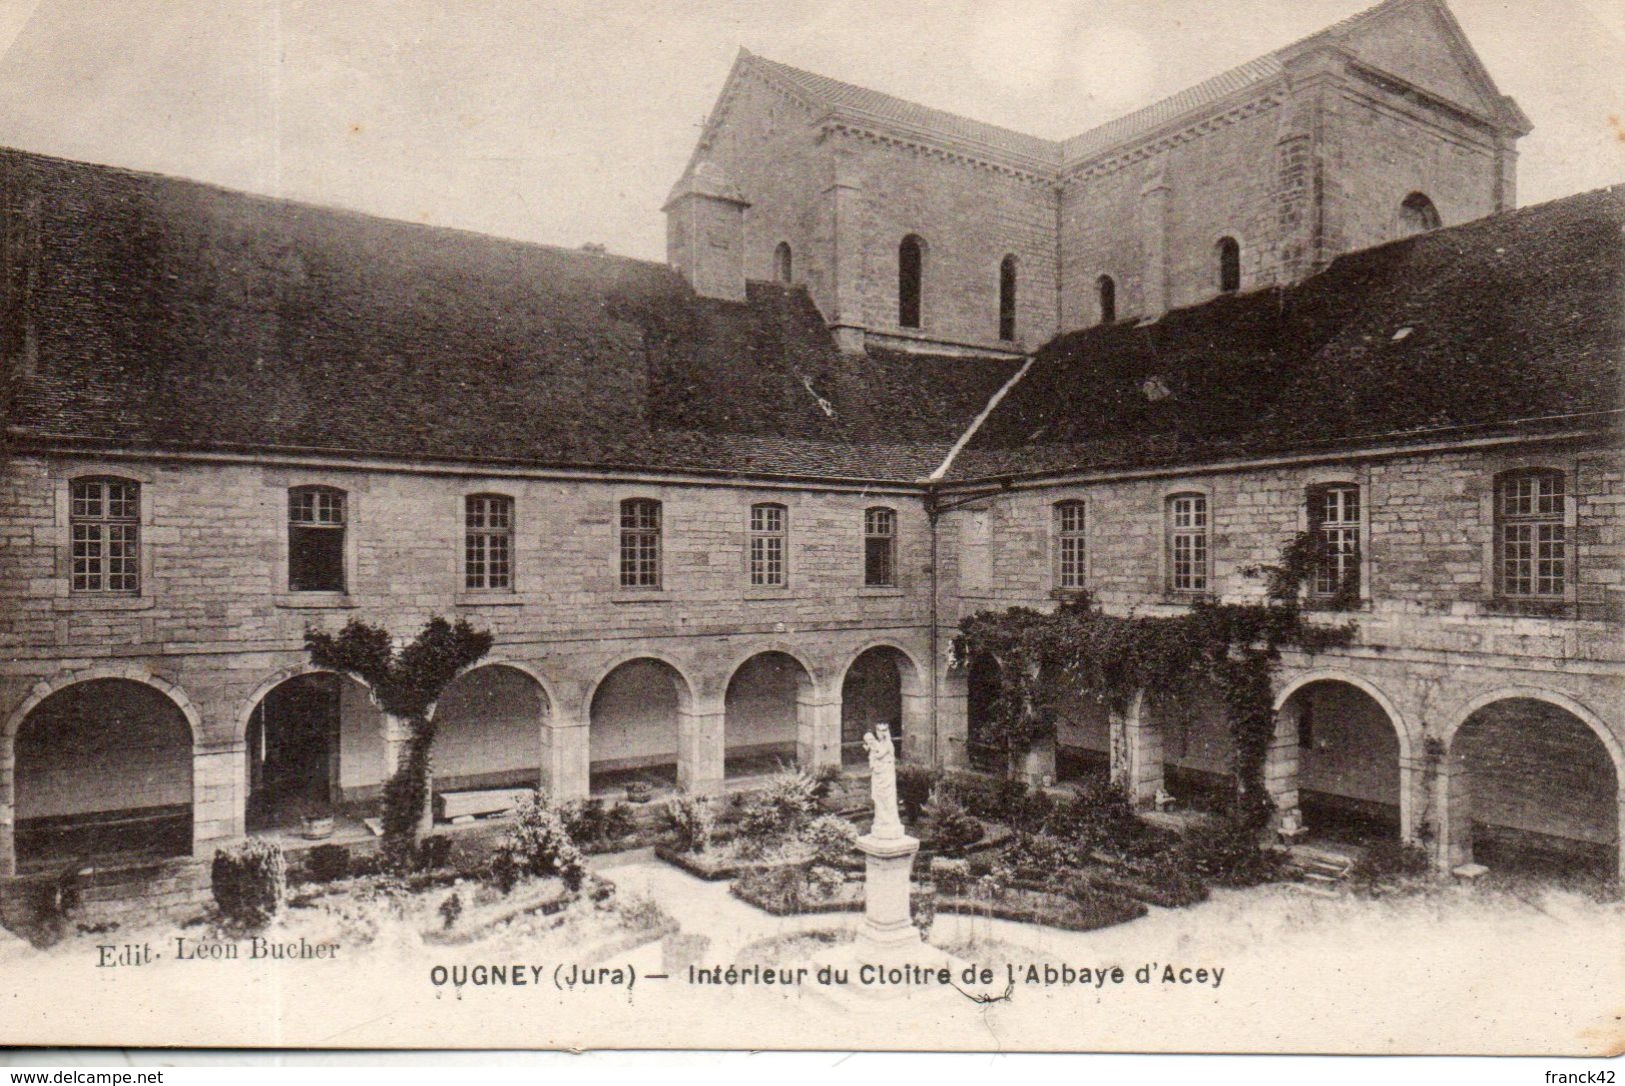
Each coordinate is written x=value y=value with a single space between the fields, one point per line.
x=923 y=912
x=977 y=796
x=249 y=881
x=434 y=852
x=1166 y=880
x=1224 y=852
x=327 y=863
x=947 y=825
x=1037 y=857
x=1009 y=801
x=779 y=809
x=1384 y=863
x=823 y=881
x=1099 y=817
x=788 y=888
x=450 y=910
x=914 y=786
x=583 y=820
x=640 y=912
x=619 y=823
x=502 y=870
x=830 y=839
x=824 y=780
x=691 y=823
x=950 y=876
x=538 y=844
x=639 y=791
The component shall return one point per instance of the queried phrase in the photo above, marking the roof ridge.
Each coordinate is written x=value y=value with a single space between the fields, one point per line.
x=1091 y=140
x=295 y=203
x=817 y=85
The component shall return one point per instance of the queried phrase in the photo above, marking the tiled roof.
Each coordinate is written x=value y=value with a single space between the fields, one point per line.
x=147 y=311
x=834 y=93
x=1504 y=324
x=1177 y=105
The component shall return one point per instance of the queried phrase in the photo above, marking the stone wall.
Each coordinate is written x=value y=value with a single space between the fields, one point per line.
x=216 y=629
x=768 y=148
x=1431 y=642
x=970 y=217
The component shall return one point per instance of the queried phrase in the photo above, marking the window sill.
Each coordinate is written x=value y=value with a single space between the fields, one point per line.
x=101 y=603
x=1505 y=608
x=487 y=599
x=881 y=591
x=315 y=601
x=1327 y=607
x=779 y=594
x=643 y=595
x=1067 y=593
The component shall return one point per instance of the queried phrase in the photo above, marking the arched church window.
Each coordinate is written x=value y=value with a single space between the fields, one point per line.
x=910 y=281
x=1229 y=251
x=1007 y=298
x=783 y=268
x=1106 y=294
x=1417 y=215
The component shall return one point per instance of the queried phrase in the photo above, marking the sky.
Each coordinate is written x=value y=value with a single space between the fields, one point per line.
x=567 y=122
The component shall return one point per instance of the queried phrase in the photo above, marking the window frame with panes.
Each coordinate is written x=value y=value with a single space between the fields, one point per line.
x=768 y=560
x=1533 y=503
x=1336 y=515
x=1199 y=535
x=1071 y=545
x=880 y=547
x=488 y=538
x=318 y=535
x=104 y=518
x=641 y=544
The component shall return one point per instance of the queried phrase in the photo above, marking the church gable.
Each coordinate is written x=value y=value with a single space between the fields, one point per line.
x=1420 y=43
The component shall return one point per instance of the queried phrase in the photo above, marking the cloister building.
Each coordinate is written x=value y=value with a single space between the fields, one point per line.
x=721 y=514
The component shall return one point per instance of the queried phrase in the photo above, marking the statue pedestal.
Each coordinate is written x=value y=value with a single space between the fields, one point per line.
x=888 y=941
x=887 y=921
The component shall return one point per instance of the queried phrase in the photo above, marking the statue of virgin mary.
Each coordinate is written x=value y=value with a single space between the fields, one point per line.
x=883 y=781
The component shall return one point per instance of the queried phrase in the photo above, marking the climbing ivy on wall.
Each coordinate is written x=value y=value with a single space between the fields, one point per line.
x=405 y=682
x=1041 y=657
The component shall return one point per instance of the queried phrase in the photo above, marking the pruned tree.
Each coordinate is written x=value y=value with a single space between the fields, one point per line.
x=406 y=683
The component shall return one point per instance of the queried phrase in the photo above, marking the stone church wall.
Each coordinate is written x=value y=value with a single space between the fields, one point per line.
x=769 y=149
x=970 y=218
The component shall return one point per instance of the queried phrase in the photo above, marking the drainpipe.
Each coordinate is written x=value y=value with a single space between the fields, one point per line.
x=932 y=513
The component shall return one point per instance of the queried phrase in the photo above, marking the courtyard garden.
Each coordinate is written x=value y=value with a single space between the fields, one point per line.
x=1078 y=859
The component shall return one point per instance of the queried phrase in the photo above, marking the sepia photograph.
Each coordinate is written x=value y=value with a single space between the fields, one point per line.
x=981 y=525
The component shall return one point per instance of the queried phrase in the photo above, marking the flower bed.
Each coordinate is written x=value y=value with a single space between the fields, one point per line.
x=796 y=890
x=480 y=908
x=712 y=865
x=1164 y=892
x=1078 y=910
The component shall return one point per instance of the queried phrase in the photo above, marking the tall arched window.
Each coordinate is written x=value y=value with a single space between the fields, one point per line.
x=783 y=267
x=1007 y=298
x=910 y=281
x=1106 y=292
x=1417 y=215
x=1229 y=252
